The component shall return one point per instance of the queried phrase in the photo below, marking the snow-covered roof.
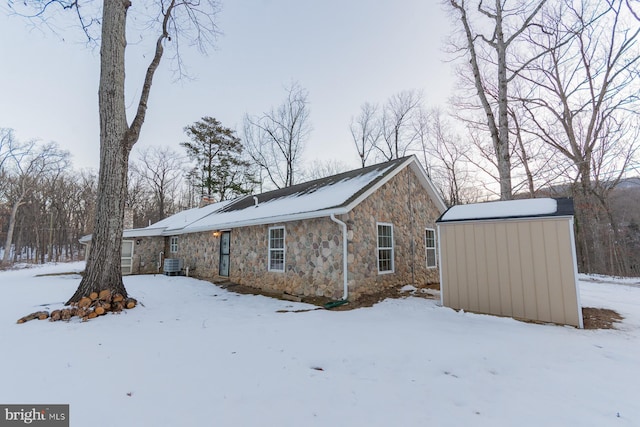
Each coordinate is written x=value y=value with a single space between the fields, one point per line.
x=169 y=225
x=183 y=219
x=336 y=194
x=524 y=208
x=142 y=232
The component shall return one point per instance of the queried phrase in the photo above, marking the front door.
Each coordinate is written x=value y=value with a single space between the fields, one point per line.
x=225 y=244
x=126 y=261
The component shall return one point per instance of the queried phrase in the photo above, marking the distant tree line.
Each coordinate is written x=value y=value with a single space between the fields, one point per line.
x=45 y=207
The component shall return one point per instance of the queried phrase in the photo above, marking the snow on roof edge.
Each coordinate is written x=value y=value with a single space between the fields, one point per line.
x=522 y=208
x=257 y=221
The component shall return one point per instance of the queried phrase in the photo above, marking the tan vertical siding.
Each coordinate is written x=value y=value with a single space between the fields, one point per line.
x=519 y=268
x=481 y=269
x=514 y=268
x=506 y=297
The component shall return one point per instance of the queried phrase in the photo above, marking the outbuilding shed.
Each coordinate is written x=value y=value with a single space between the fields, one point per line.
x=511 y=258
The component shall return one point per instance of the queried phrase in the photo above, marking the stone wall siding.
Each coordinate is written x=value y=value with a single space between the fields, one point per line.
x=404 y=203
x=199 y=252
x=146 y=252
x=313 y=258
x=313 y=247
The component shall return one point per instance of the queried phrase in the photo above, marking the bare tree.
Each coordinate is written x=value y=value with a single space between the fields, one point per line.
x=29 y=167
x=422 y=130
x=275 y=140
x=397 y=129
x=60 y=205
x=7 y=142
x=488 y=37
x=82 y=210
x=445 y=151
x=583 y=103
x=534 y=163
x=7 y=146
x=389 y=132
x=634 y=8
x=177 y=18
x=60 y=211
x=366 y=131
x=140 y=201
x=160 y=169
x=320 y=169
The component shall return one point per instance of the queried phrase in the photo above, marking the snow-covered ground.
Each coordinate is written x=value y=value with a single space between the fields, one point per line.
x=197 y=355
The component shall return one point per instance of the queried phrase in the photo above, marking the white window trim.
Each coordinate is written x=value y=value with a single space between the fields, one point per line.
x=434 y=248
x=173 y=244
x=283 y=249
x=393 y=251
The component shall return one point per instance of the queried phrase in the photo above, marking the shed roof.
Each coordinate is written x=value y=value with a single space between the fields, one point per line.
x=509 y=209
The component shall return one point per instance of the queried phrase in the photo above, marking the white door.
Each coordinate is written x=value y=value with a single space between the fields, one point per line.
x=126 y=261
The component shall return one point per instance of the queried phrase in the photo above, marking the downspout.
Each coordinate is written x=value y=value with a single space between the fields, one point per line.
x=160 y=257
x=440 y=265
x=345 y=269
x=412 y=225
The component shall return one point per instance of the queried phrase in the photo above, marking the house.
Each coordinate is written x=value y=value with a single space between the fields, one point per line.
x=511 y=258
x=342 y=236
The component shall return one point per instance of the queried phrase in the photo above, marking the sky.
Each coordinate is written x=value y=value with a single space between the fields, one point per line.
x=343 y=53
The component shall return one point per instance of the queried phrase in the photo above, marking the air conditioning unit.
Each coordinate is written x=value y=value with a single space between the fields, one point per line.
x=172 y=266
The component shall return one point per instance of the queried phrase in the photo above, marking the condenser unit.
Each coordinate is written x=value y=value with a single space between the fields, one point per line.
x=172 y=266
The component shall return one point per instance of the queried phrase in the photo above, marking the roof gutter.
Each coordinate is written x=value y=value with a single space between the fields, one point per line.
x=345 y=269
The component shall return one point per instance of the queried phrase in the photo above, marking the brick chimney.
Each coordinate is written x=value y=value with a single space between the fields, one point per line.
x=205 y=200
x=128 y=218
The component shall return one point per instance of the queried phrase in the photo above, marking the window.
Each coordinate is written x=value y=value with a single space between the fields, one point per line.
x=173 y=244
x=385 y=248
x=276 y=249
x=430 y=244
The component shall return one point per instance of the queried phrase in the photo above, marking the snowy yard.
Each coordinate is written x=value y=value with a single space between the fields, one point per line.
x=197 y=355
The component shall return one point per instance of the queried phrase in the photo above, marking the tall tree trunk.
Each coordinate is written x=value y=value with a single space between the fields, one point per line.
x=503 y=154
x=116 y=141
x=499 y=43
x=6 y=259
x=103 y=269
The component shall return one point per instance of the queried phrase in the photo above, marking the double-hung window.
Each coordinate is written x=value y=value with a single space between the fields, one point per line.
x=385 y=248
x=430 y=244
x=276 y=248
x=173 y=244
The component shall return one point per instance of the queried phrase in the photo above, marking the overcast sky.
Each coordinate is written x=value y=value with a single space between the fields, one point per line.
x=343 y=52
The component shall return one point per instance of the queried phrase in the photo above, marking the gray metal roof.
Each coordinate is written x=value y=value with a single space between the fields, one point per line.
x=336 y=194
x=315 y=185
